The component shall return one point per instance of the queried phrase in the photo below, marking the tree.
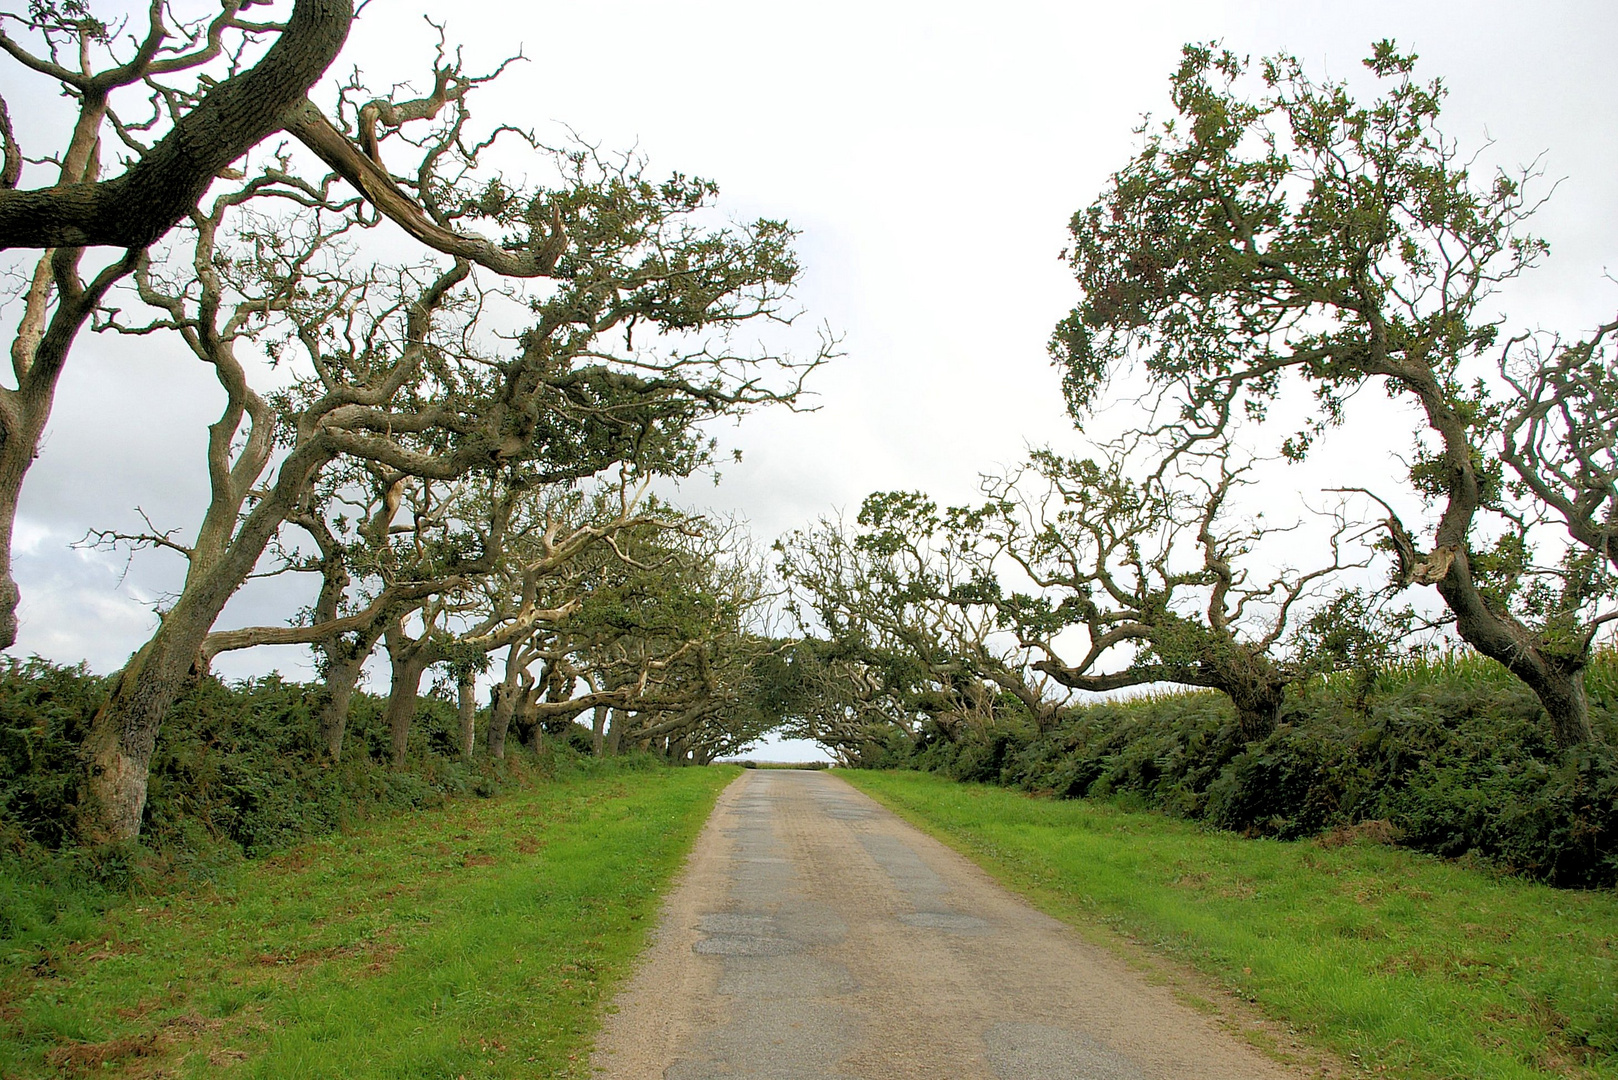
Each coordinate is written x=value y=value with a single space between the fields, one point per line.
x=79 y=209
x=211 y=121
x=854 y=703
x=669 y=637
x=185 y=102
x=484 y=563
x=895 y=596
x=374 y=571
x=1300 y=237
x=1095 y=574
x=216 y=109
x=1557 y=426
x=1148 y=571
x=398 y=368
x=549 y=565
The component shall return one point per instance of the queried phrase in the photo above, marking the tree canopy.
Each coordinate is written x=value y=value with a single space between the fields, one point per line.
x=1295 y=235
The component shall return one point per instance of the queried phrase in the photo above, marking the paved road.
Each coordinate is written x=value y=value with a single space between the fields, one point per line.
x=815 y=936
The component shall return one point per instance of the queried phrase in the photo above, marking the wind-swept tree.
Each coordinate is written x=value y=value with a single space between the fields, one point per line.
x=396 y=368
x=215 y=107
x=197 y=100
x=1095 y=574
x=182 y=102
x=855 y=703
x=1297 y=237
x=893 y=595
x=1147 y=575
x=1558 y=435
x=670 y=636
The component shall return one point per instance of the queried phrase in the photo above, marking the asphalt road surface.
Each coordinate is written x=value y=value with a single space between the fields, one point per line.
x=815 y=935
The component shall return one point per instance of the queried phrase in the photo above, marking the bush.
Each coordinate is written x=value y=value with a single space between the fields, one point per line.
x=238 y=771
x=45 y=711
x=1454 y=755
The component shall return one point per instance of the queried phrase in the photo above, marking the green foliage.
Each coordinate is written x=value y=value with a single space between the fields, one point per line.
x=45 y=711
x=1452 y=753
x=1246 y=211
x=1278 y=234
x=237 y=773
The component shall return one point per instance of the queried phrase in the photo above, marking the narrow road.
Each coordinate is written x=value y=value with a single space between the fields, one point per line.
x=815 y=935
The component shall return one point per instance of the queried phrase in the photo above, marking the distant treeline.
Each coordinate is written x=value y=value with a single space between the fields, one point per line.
x=1449 y=756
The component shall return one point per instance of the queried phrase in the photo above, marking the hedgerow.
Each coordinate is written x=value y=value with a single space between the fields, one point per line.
x=238 y=773
x=1455 y=759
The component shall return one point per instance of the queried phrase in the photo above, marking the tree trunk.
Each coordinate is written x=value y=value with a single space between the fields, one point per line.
x=118 y=748
x=17 y=448
x=502 y=699
x=1258 y=692
x=344 y=661
x=335 y=696
x=408 y=665
x=38 y=353
x=598 y=726
x=123 y=734
x=1251 y=681
x=1258 y=709
x=1556 y=676
x=615 y=732
x=467 y=703
x=1567 y=703
x=1557 y=680
x=166 y=181
x=536 y=730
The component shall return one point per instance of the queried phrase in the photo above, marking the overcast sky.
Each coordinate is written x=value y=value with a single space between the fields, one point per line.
x=930 y=153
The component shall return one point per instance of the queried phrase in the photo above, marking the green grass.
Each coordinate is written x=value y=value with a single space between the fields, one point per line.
x=476 y=940
x=1403 y=963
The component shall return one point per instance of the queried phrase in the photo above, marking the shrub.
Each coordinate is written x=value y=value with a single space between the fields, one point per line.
x=1451 y=753
x=45 y=711
x=237 y=772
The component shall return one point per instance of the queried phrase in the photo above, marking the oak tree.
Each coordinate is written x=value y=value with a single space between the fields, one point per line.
x=400 y=366
x=1295 y=236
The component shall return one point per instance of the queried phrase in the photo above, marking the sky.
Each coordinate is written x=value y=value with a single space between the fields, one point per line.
x=930 y=154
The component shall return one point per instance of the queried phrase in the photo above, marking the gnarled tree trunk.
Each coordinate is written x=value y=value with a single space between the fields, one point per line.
x=123 y=734
x=408 y=660
x=1258 y=708
x=502 y=701
x=1556 y=679
x=1555 y=676
x=165 y=182
x=38 y=354
x=507 y=696
x=527 y=720
x=332 y=700
x=467 y=707
x=345 y=659
x=1254 y=685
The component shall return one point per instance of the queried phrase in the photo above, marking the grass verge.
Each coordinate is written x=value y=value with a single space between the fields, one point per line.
x=476 y=940
x=1402 y=963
